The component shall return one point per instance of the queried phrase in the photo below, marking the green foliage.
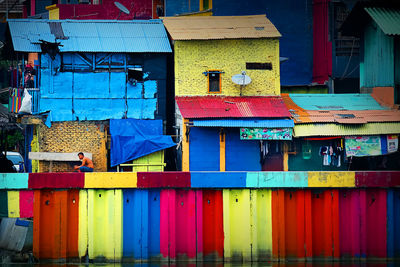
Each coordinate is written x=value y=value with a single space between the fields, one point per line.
x=13 y=138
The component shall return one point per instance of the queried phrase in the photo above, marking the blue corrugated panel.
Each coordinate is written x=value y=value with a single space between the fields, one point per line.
x=244 y=123
x=388 y=19
x=241 y=155
x=92 y=35
x=336 y=102
x=393 y=220
x=204 y=149
x=141 y=223
x=218 y=179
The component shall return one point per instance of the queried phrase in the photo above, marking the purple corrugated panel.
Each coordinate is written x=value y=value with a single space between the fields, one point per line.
x=232 y=107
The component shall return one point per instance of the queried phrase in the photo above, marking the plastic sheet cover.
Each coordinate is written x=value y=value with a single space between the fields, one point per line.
x=132 y=139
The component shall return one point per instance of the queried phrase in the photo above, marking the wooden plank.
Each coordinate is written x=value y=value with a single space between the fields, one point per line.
x=218 y=179
x=57 y=156
x=163 y=179
x=110 y=180
x=14 y=180
x=378 y=179
x=56 y=180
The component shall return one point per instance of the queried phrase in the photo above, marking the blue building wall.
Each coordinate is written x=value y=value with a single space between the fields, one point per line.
x=241 y=155
x=175 y=7
x=293 y=19
x=204 y=149
x=73 y=91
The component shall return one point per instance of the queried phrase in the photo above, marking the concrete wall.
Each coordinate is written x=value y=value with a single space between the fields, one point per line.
x=192 y=58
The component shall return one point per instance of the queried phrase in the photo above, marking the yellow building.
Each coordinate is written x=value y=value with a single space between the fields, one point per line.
x=208 y=51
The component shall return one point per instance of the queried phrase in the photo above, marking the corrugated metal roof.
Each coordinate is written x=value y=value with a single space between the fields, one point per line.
x=232 y=107
x=244 y=123
x=388 y=19
x=336 y=102
x=220 y=27
x=90 y=35
x=331 y=129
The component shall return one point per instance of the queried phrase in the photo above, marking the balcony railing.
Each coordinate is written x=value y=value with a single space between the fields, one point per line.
x=16 y=96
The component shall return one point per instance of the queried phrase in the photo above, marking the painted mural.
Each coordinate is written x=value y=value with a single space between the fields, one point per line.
x=266 y=134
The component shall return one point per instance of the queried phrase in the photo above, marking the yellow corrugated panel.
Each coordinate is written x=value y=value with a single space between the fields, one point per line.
x=153 y=162
x=110 y=180
x=331 y=129
x=237 y=238
x=105 y=224
x=83 y=223
x=331 y=179
x=13 y=204
x=261 y=224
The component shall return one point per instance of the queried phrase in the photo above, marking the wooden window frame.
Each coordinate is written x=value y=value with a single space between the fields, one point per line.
x=220 y=81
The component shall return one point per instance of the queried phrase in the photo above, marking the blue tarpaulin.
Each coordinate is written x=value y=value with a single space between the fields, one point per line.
x=132 y=139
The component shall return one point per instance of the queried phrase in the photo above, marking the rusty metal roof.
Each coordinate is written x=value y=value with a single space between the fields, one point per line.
x=347 y=116
x=220 y=27
x=232 y=107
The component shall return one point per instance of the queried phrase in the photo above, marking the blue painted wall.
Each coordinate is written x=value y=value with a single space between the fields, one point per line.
x=174 y=7
x=141 y=223
x=204 y=149
x=393 y=220
x=292 y=18
x=241 y=155
x=101 y=95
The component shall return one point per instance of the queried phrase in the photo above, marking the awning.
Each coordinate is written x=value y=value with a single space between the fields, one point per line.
x=332 y=129
x=245 y=123
x=132 y=139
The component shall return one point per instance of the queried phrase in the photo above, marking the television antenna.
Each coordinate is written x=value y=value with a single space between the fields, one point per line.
x=121 y=8
x=242 y=80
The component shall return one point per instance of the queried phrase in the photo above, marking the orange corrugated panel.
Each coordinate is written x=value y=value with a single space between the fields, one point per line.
x=55 y=228
x=220 y=27
x=299 y=115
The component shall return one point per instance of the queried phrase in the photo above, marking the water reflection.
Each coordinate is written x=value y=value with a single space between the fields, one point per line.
x=254 y=264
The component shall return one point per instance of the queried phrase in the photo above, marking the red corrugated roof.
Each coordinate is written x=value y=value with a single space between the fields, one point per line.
x=231 y=107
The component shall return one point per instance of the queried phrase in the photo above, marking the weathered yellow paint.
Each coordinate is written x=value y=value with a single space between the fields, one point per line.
x=261 y=224
x=222 y=144
x=54 y=12
x=35 y=148
x=13 y=204
x=331 y=179
x=194 y=57
x=153 y=162
x=105 y=224
x=83 y=223
x=185 y=147
x=110 y=180
x=285 y=157
x=236 y=214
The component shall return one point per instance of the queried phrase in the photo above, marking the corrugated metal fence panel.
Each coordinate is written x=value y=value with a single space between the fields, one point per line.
x=14 y=180
x=237 y=230
x=261 y=224
x=388 y=19
x=218 y=179
x=55 y=228
x=13 y=204
x=377 y=179
x=105 y=224
x=141 y=224
x=212 y=226
x=26 y=203
x=4 y=203
x=393 y=220
x=178 y=224
x=56 y=180
x=244 y=123
x=83 y=224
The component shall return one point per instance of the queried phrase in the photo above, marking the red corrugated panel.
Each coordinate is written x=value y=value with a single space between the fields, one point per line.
x=232 y=107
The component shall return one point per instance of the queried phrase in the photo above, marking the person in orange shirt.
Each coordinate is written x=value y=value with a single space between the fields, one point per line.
x=87 y=164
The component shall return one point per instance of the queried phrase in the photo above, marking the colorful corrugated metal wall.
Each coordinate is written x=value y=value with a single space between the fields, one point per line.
x=199 y=216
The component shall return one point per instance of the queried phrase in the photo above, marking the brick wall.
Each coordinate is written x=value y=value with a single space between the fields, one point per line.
x=72 y=137
x=192 y=58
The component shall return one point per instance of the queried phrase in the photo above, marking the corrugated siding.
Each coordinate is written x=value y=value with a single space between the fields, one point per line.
x=388 y=19
x=330 y=129
x=377 y=67
x=336 y=102
x=244 y=123
x=92 y=36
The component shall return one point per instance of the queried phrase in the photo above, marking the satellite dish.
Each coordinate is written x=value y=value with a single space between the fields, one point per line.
x=121 y=8
x=241 y=79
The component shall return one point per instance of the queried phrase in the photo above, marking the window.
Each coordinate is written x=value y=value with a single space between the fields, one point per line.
x=135 y=74
x=258 y=66
x=214 y=81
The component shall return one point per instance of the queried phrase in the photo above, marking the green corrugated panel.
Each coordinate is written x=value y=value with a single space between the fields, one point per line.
x=332 y=129
x=388 y=19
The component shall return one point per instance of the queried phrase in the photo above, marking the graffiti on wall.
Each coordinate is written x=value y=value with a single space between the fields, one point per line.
x=266 y=134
